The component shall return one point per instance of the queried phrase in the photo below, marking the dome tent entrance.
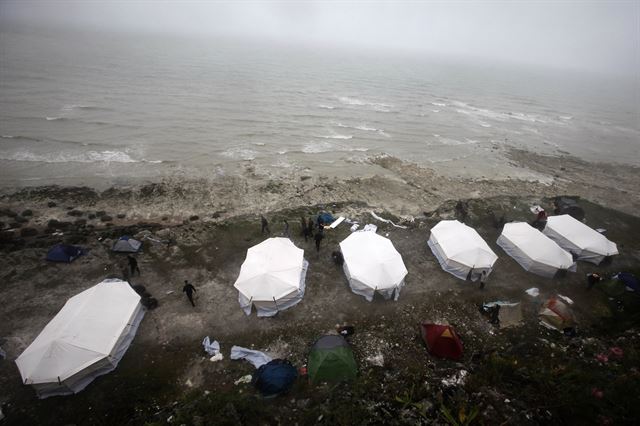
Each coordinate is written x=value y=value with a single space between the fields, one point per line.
x=460 y=250
x=372 y=263
x=533 y=250
x=86 y=339
x=441 y=340
x=64 y=253
x=272 y=277
x=331 y=359
x=574 y=236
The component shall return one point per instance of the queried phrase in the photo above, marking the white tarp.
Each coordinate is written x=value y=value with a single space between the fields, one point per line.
x=576 y=237
x=533 y=250
x=460 y=250
x=86 y=339
x=371 y=263
x=256 y=358
x=272 y=277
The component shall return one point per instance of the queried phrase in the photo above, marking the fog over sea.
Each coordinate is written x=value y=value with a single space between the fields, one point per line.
x=101 y=109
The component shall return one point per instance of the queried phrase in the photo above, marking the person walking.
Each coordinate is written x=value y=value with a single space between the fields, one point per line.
x=319 y=236
x=265 y=225
x=483 y=279
x=303 y=228
x=189 y=289
x=286 y=233
x=310 y=227
x=133 y=265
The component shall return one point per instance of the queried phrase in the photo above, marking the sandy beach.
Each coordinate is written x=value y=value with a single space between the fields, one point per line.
x=166 y=377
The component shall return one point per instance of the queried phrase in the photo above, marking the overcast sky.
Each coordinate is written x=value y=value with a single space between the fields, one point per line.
x=596 y=35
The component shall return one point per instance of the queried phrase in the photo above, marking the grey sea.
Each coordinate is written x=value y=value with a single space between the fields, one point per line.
x=101 y=109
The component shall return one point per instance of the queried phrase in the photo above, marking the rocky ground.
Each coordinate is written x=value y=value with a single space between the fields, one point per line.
x=521 y=375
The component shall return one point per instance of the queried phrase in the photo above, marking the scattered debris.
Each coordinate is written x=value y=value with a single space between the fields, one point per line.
x=375 y=216
x=376 y=360
x=457 y=379
x=533 y=292
x=257 y=358
x=212 y=348
x=243 y=379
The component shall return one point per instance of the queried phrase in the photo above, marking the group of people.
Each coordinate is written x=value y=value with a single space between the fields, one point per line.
x=307 y=227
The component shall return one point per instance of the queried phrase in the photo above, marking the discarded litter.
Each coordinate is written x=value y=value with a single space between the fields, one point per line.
x=169 y=292
x=457 y=379
x=377 y=360
x=387 y=221
x=354 y=227
x=257 y=358
x=212 y=348
x=533 y=292
x=370 y=227
x=216 y=357
x=566 y=299
x=243 y=379
x=336 y=222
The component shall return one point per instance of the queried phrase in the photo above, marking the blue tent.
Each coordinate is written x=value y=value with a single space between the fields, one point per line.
x=629 y=280
x=275 y=377
x=325 y=218
x=64 y=253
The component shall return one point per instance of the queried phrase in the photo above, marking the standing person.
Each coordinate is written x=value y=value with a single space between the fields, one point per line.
x=303 y=228
x=133 y=265
x=319 y=236
x=189 y=289
x=483 y=279
x=265 y=224
x=541 y=219
x=592 y=279
x=310 y=227
x=286 y=229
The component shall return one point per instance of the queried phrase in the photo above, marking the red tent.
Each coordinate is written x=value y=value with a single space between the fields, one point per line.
x=442 y=340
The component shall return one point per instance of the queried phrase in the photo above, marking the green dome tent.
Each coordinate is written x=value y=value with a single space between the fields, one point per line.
x=331 y=359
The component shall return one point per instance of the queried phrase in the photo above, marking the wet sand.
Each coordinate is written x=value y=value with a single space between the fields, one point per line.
x=166 y=375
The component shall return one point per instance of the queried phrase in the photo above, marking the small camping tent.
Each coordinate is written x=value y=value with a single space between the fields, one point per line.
x=577 y=238
x=64 y=253
x=441 y=340
x=86 y=339
x=272 y=277
x=509 y=314
x=629 y=280
x=372 y=263
x=556 y=314
x=274 y=377
x=460 y=250
x=533 y=250
x=127 y=244
x=331 y=359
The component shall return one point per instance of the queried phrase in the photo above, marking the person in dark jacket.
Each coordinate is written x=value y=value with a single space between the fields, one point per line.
x=133 y=265
x=310 y=226
x=189 y=289
x=265 y=224
x=319 y=236
x=337 y=257
x=304 y=231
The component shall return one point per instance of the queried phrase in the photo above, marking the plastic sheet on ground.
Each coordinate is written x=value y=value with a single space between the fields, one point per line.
x=244 y=379
x=566 y=299
x=370 y=228
x=336 y=222
x=375 y=216
x=212 y=348
x=257 y=358
x=354 y=227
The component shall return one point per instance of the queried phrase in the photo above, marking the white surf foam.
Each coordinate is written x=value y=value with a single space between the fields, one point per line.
x=326 y=106
x=54 y=118
x=72 y=157
x=376 y=106
x=336 y=137
x=440 y=104
x=240 y=153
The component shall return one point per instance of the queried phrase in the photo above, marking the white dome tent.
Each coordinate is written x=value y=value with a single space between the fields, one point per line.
x=460 y=250
x=86 y=339
x=272 y=277
x=371 y=263
x=533 y=250
x=576 y=237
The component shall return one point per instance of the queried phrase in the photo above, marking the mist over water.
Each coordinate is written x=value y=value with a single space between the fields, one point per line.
x=78 y=105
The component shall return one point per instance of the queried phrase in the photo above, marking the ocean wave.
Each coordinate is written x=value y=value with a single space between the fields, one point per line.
x=73 y=107
x=440 y=104
x=326 y=106
x=26 y=138
x=55 y=118
x=317 y=148
x=466 y=109
x=565 y=117
x=444 y=141
x=336 y=137
x=376 y=106
x=240 y=153
x=73 y=157
x=362 y=127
